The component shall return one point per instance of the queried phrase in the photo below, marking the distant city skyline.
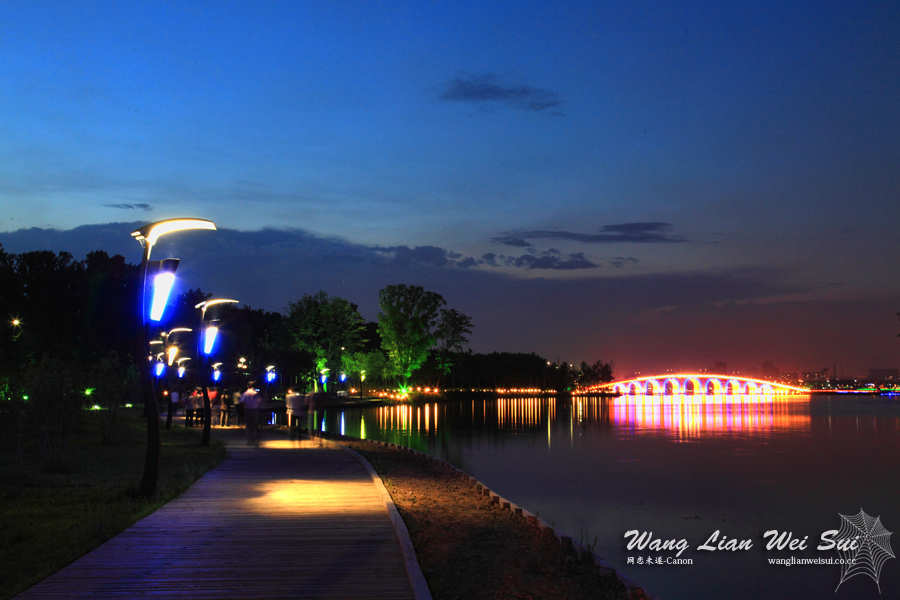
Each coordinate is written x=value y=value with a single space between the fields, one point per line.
x=663 y=186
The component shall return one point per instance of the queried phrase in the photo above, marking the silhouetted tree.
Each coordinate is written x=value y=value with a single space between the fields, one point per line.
x=599 y=372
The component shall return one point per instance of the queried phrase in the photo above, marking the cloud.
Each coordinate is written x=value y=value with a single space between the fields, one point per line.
x=636 y=233
x=486 y=88
x=141 y=206
x=514 y=241
x=644 y=321
x=620 y=261
x=421 y=255
x=551 y=261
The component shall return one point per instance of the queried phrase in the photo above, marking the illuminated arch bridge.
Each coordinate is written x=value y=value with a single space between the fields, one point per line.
x=693 y=383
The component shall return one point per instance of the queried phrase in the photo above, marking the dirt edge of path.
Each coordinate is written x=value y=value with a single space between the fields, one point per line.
x=469 y=546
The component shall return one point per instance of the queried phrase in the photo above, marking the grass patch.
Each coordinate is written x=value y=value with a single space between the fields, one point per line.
x=52 y=518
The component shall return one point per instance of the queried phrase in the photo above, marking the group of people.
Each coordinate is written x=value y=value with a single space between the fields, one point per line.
x=243 y=408
x=298 y=406
x=220 y=407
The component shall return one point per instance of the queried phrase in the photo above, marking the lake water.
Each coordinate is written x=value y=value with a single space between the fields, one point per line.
x=682 y=467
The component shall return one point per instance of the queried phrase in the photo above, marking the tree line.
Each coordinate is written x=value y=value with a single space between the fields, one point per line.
x=75 y=320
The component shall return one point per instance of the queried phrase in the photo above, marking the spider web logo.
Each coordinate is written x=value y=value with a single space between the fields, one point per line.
x=871 y=550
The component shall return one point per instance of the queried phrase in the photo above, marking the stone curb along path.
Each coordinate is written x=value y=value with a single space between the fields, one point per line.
x=635 y=590
x=416 y=578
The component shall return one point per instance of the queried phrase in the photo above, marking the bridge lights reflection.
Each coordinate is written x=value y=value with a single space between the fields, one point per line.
x=690 y=415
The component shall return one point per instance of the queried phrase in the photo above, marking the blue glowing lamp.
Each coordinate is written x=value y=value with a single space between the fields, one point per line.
x=217 y=374
x=181 y=362
x=270 y=374
x=162 y=286
x=160 y=369
x=212 y=330
x=209 y=338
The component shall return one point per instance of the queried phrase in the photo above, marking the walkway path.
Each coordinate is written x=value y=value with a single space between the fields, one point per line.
x=286 y=520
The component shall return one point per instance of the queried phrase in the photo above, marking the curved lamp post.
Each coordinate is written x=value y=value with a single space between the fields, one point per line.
x=205 y=344
x=171 y=351
x=147 y=237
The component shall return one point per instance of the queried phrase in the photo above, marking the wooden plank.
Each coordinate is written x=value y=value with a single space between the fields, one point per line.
x=286 y=522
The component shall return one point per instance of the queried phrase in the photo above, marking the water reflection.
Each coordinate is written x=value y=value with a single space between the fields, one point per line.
x=681 y=416
x=606 y=465
x=688 y=416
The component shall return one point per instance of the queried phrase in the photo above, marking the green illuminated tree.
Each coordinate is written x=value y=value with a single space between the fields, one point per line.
x=373 y=365
x=326 y=327
x=407 y=323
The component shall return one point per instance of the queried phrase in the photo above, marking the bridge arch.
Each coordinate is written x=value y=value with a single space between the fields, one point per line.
x=716 y=384
x=676 y=386
x=696 y=387
x=695 y=384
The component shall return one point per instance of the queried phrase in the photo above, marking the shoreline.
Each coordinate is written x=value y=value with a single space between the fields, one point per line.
x=575 y=551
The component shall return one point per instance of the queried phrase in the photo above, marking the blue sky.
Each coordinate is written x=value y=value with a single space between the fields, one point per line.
x=730 y=171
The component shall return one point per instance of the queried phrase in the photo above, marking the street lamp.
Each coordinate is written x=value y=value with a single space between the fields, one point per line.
x=181 y=366
x=205 y=346
x=147 y=237
x=325 y=379
x=16 y=324
x=170 y=352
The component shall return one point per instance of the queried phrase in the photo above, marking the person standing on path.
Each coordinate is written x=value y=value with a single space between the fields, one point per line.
x=251 y=400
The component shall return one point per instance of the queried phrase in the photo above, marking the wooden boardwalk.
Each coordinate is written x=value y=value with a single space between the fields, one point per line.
x=287 y=520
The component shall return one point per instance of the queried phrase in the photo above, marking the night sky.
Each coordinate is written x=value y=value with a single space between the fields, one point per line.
x=663 y=185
